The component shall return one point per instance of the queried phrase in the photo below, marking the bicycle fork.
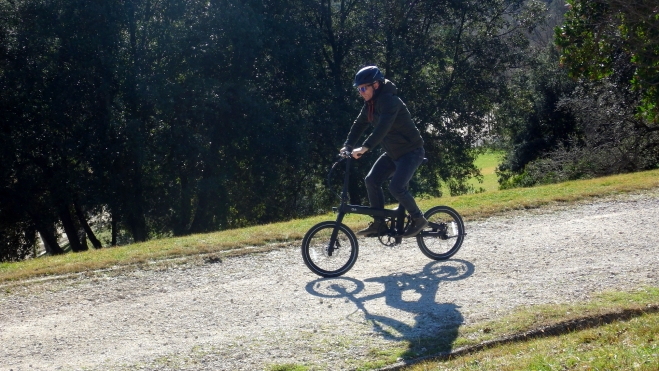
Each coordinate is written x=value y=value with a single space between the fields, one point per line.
x=341 y=212
x=335 y=234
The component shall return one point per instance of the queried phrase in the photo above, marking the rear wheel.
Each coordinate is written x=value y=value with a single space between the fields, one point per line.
x=325 y=259
x=444 y=234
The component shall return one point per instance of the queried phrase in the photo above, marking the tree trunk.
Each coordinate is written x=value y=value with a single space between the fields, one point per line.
x=137 y=225
x=113 y=224
x=70 y=229
x=88 y=230
x=49 y=239
x=182 y=219
x=82 y=237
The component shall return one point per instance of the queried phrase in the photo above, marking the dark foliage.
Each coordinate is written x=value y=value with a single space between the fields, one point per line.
x=179 y=117
x=597 y=33
x=529 y=116
x=559 y=128
x=613 y=139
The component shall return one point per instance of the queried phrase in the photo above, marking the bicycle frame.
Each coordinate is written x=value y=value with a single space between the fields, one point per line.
x=397 y=215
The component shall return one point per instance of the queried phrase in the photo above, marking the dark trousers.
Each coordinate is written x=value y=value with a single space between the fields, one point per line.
x=400 y=171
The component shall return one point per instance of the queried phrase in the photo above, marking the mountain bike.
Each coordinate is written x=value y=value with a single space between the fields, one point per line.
x=330 y=248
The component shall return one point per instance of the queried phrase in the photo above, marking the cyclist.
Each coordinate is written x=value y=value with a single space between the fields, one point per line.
x=402 y=143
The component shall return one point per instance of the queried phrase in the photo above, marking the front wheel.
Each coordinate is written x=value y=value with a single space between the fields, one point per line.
x=443 y=236
x=325 y=258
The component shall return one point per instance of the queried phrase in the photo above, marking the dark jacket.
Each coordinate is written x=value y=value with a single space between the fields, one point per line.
x=392 y=122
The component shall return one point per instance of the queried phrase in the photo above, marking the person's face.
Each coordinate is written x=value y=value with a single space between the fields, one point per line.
x=367 y=90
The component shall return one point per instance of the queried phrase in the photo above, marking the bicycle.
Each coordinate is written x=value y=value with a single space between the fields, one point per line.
x=330 y=248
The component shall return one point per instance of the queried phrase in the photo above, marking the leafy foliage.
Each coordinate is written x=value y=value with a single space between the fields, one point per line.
x=607 y=138
x=600 y=121
x=596 y=31
x=180 y=117
x=529 y=116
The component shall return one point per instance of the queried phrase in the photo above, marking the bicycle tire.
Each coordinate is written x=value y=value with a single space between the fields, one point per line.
x=315 y=249
x=444 y=234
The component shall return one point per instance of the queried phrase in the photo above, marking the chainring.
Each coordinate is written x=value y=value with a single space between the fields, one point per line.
x=385 y=235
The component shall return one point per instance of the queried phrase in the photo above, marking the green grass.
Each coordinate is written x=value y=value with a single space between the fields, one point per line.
x=487 y=163
x=631 y=343
x=264 y=237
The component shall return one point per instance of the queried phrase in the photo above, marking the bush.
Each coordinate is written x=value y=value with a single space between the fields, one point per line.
x=17 y=241
x=611 y=139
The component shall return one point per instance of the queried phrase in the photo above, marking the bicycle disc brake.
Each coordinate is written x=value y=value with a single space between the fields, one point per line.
x=335 y=250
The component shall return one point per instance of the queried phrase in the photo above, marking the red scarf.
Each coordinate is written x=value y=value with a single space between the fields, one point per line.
x=371 y=108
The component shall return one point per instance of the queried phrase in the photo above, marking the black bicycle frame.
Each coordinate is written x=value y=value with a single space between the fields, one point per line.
x=344 y=208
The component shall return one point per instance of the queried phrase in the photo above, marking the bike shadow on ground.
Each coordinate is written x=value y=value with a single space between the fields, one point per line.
x=417 y=293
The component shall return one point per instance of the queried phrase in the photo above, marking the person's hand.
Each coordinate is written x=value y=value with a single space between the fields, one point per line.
x=358 y=152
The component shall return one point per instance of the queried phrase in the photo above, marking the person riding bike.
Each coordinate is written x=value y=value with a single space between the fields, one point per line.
x=394 y=129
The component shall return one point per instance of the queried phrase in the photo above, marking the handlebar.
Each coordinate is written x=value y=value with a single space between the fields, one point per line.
x=345 y=154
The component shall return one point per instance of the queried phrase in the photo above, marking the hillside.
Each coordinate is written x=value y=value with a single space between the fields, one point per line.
x=261 y=310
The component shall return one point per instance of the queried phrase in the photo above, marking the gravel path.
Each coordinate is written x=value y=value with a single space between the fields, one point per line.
x=253 y=312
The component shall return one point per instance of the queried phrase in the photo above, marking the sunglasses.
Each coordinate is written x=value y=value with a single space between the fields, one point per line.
x=362 y=89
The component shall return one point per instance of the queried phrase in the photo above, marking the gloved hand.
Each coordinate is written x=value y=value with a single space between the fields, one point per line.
x=358 y=152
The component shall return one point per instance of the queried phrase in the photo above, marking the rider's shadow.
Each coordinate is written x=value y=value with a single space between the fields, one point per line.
x=413 y=293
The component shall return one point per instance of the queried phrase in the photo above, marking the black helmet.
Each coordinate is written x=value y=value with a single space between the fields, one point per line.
x=368 y=75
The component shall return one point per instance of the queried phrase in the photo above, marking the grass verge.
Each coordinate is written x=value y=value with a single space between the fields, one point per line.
x=614 y=331
x=264 y=237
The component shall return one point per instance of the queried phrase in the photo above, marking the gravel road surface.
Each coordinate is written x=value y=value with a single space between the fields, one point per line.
x=253 y=312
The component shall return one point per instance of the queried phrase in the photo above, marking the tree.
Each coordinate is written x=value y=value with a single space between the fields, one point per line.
x=529 y=116
x=453 y=64
x=181 y=117
x=54 y=75
x=448 y=59
x=596 y=31
x=610 y=138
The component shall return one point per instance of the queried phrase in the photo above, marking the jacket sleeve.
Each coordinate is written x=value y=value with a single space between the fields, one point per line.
x=358 y=127
x=388 y=107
